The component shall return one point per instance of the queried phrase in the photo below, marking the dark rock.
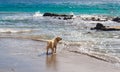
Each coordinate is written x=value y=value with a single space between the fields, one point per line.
x=88 y=33
x=117 y=19
x=59 y=18
x=65 y=17
x=97 y=19
x=100 y=26
x=93 y=19
x=50 y=14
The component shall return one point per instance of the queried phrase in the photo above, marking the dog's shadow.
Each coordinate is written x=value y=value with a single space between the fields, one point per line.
x=44 y=54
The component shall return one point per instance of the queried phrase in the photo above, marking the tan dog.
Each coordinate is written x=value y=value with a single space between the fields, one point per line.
x=52 y=44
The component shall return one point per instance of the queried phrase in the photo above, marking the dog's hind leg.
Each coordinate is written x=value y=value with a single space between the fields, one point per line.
x=47 y=48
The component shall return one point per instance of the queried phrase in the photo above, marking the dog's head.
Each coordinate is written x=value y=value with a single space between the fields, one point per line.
x=58 y=38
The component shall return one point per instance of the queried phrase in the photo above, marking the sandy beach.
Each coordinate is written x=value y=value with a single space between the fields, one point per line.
x=23 y=55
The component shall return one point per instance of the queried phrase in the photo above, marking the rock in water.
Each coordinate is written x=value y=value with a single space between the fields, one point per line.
x=65 y=17
x=100 y=26
x=117 y=19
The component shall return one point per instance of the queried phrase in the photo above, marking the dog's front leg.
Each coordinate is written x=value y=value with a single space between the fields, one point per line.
x=52 y=50
x=55 y=50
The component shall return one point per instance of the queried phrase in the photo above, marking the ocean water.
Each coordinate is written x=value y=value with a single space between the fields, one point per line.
x=21 y=18
x=102 y=8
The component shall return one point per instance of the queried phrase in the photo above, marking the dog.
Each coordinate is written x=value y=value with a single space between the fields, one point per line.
x=52 y=44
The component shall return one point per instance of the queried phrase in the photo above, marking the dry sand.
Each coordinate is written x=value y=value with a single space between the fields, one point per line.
x=22 y=55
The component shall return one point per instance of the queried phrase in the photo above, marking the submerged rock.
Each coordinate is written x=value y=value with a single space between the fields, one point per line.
x=95 y=18
x=100 y=26
x=60 y=16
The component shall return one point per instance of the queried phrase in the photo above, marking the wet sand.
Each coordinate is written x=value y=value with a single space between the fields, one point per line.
x=23 y=55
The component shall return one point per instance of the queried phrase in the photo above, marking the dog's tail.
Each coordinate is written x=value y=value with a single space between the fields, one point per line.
x=42 y=40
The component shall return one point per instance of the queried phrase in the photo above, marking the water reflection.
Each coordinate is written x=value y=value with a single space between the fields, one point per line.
x=51 y=62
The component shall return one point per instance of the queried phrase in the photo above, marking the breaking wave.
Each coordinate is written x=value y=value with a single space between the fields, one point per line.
x=37 y=14
x=85 y=48
x=20 y=16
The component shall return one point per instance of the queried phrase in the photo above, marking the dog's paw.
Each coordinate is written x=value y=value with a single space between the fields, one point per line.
x=48 y=53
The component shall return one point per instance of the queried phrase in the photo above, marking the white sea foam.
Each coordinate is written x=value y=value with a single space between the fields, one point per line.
x=8 y=30
x=74 y=16
x=37 y=14
x=17 y=17
x=77 y=48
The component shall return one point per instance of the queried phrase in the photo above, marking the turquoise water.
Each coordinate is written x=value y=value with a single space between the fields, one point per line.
x=104 y=8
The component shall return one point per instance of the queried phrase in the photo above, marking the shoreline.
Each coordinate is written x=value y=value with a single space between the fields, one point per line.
x=97 y=55
x=29 y=56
